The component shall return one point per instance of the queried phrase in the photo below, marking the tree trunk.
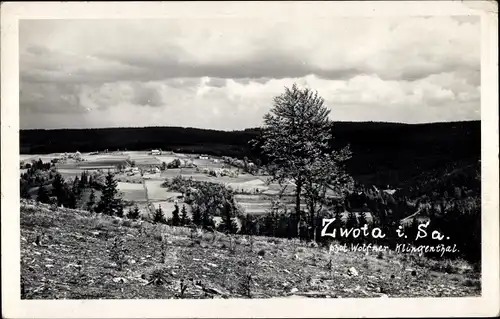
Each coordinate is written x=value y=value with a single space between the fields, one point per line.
x=313 y=224
x=298 y=191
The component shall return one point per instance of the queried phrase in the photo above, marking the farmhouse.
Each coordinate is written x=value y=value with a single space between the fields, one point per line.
x=155 y=152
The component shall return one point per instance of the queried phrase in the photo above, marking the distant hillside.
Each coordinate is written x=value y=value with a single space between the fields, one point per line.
x=384 y=153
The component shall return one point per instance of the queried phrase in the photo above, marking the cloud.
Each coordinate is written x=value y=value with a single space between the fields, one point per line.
x=223 y=73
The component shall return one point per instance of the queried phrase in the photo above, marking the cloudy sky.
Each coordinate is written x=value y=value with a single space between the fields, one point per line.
x=223 y=73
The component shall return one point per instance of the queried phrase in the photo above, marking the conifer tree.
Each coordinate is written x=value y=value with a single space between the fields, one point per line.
x=110 y=203
x=42 y=195
x=134 y=213
x=91 y=202
x=76 y=185
x=24 y=190
x=176 y=221
x=58 y=189
x=184 y=216
x=158 y=217
x=228 y=223
x=196 y=215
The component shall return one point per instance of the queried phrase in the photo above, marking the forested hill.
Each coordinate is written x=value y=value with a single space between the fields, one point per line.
x=382 y=152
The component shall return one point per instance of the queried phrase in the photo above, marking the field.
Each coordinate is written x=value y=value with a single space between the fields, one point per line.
x=68 y=254
x=253 y=194
x=132 y=191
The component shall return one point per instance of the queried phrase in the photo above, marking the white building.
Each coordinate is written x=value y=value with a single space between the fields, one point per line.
x=77 y=156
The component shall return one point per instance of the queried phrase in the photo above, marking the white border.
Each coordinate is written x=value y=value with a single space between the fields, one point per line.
x=13 y=307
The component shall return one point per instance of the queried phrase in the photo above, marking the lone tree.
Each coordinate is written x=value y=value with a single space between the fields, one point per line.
x=296 y=140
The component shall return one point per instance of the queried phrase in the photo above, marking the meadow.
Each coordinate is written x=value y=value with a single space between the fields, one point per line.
x=73 y=254
x=144 y=188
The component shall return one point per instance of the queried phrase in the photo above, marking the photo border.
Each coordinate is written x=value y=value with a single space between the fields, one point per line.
x=14 y=307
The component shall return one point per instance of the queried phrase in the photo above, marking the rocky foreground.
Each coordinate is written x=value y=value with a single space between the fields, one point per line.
x=72 y=254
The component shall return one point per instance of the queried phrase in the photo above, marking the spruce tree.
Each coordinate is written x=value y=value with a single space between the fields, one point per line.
x=176 y=221
x=184 y=216
x=207 y=220
x=110 y=204
x=24 y=190
x=119 y=208
x=83 y=180
x=76 y=186
x=42 y=195
x=58 y=189
x=158 y=217
x=196 y=215
x=133 y=213
x=91 y=202
x=229 y=225
x=70 y=198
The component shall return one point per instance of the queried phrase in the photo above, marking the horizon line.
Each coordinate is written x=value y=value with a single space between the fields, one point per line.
x=234 y=130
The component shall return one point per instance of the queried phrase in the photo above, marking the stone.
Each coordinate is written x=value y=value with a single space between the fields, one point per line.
x=352 y=272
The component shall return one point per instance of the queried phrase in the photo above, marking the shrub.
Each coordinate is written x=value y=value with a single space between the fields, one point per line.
x=133 y=213
x=118 y=252
x=246 y=286
x=261 y=252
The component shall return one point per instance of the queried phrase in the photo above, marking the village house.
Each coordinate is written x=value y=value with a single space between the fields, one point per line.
x=155 y=152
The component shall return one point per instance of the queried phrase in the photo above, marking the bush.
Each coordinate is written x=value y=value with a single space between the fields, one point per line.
x=118 y=252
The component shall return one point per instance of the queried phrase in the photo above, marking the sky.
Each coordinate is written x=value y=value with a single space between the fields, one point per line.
x=223 y=73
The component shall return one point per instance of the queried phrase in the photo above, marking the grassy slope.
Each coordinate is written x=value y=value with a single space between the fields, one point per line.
x=73 y=261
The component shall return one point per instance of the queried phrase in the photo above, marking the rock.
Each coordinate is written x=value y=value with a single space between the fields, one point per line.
x=352 y=272
x=120 y=279
x=313 y=244
x=49 y=266
x=294 y=290
x=212 y=265
x=212 y=291
x=131 y=261
x=203 y=244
